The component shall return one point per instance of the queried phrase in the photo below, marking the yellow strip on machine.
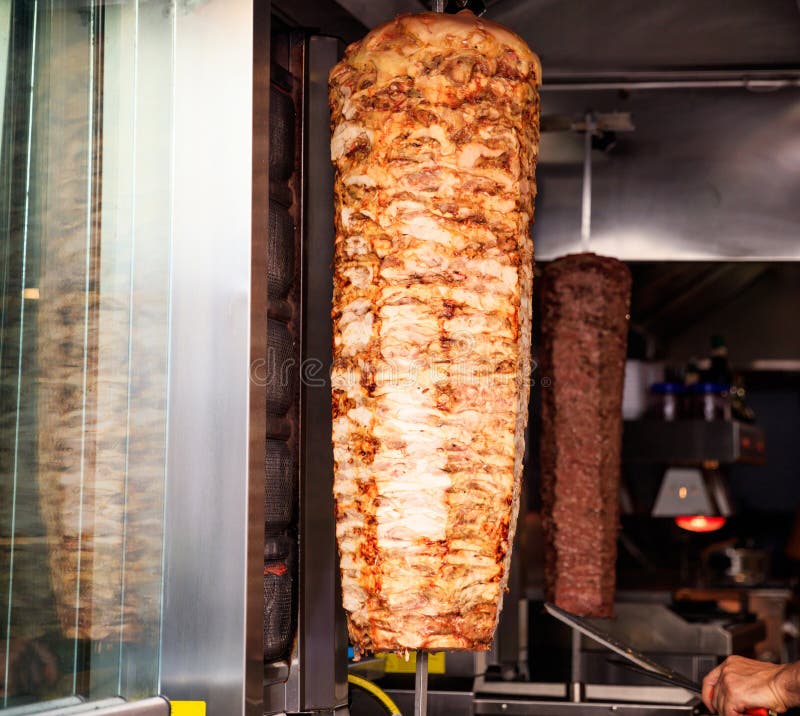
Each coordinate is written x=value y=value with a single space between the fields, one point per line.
x=398 y=665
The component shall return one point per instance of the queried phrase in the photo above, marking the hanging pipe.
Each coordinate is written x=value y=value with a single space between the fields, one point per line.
x=586 y=201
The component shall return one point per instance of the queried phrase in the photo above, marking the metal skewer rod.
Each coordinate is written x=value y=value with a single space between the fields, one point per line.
x=576 y=685
x=421 y=685
x=586 y=199
x=438 y=5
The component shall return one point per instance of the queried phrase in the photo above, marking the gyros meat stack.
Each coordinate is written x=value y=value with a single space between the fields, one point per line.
x=435 y=136
x=585 y=305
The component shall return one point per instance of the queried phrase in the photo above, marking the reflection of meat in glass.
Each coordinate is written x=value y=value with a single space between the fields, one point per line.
x=99 y=399
x=31 y=667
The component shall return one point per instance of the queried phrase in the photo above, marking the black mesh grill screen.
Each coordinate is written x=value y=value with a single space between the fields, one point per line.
x=283 y=356
x=282 y=369
x=281 y=135
x=277 y=608
x=278 y=548
x=280 y=269
x=279 y=498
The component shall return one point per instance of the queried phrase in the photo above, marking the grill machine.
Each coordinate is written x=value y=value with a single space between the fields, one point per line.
x=308 y=672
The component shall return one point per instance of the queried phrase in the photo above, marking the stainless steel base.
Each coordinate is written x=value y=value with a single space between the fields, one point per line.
x=522 y=707
x=656 y=695
x=526 y=698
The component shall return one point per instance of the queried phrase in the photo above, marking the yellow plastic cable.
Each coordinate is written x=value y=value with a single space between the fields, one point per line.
x=376 y=691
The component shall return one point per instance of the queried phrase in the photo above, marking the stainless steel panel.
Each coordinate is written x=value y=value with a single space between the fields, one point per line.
x=43 y=707
x=372 y=13
x=107 y=707
x=707 y=174
x=589 y=36
x=147 y=707
x=522 y=689
x=213 y=565
x=513 y=688
x=655 y=628
x=754 y=80
x=318 y=679
x=649 y=694
x=693 y=441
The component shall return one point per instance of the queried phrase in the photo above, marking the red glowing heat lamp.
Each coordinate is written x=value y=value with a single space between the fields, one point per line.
x=700 y=523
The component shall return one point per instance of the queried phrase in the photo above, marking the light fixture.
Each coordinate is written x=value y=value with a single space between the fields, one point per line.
x=696 y=498
x=700 y=523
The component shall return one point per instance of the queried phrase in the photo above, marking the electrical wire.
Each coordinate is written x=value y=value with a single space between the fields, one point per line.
x=375 y=691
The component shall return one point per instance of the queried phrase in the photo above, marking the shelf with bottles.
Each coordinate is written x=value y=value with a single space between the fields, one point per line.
x=707 y=390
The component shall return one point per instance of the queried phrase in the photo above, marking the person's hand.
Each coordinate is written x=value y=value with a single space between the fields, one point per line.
x=738 y=684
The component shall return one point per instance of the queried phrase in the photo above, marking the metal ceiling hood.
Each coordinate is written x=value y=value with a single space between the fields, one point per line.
x=372 y=13
x=753 y=80
x=708 y=175
x=711 y=172
x=627 y=40
x=591 y=38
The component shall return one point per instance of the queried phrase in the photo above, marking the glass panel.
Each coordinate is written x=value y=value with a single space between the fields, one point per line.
x=85 y=182
x=5 y=36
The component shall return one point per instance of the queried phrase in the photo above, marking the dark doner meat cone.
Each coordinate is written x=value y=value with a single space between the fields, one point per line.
x=585 y=304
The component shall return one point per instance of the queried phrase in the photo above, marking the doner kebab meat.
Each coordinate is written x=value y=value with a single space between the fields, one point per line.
x=585 y=304
x=434 y=142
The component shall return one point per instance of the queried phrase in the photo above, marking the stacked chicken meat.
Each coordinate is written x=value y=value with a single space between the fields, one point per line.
x=435 y=134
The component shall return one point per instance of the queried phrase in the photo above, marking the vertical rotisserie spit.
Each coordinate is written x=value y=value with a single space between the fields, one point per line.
x=585 y=303
x=435 y=138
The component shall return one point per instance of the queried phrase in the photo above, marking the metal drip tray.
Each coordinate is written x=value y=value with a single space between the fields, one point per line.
x=655 y=628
